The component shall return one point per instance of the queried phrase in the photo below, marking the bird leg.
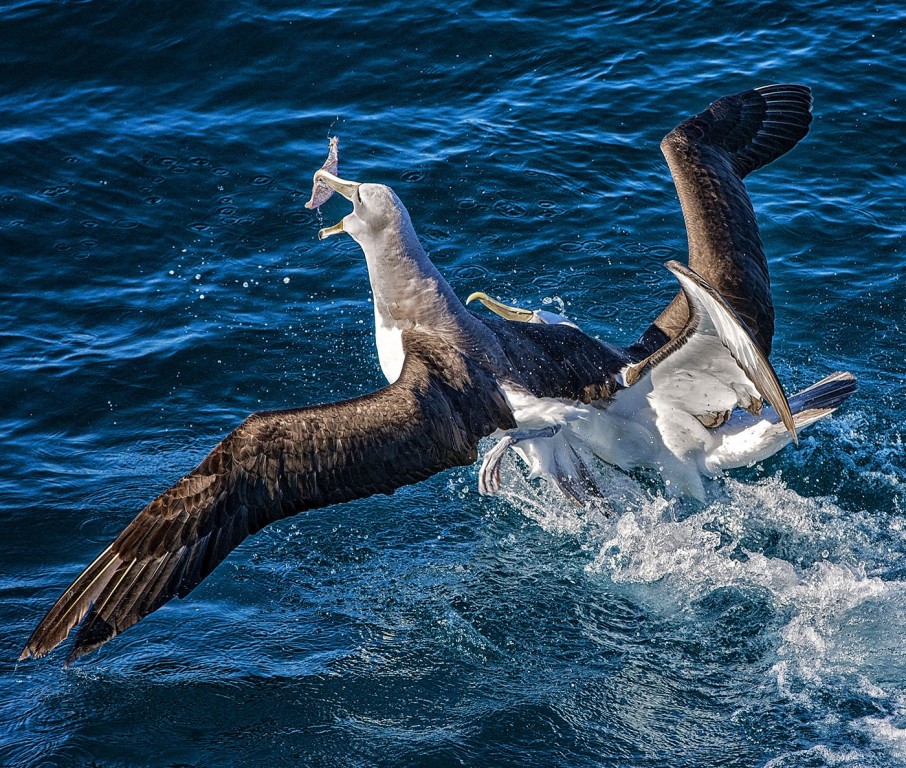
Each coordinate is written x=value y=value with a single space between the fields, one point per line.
x=489 y=474
x=572 y=476
x=714 y=419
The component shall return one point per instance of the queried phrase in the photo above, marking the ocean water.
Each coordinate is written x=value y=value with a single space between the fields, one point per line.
x=161 y=279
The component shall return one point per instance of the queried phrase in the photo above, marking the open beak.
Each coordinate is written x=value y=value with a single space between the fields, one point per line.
x=345 y=188
x=336 y=184
x=506 y=312
x=333 y=230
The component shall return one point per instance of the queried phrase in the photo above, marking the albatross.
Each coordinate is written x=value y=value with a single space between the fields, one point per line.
x=687 y=399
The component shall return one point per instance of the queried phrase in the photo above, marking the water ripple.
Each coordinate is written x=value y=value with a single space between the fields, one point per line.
x=162 y=279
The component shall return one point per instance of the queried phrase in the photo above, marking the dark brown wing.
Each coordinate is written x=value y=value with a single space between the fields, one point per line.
x=709 y=155
x=558 y=360
x=276 y=464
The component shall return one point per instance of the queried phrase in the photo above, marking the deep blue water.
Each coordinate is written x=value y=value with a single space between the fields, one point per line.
x=161 y=279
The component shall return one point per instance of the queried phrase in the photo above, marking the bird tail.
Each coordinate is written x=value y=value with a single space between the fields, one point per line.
x=822 y=398
x=747 y=439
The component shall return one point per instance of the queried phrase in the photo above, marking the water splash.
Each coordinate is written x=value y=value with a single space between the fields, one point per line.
x=836 y=649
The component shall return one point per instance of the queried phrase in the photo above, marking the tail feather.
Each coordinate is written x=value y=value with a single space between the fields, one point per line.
x=822 y=398
x=747 y=439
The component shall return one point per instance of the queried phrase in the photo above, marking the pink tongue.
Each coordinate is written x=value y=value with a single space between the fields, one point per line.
x=320 y=192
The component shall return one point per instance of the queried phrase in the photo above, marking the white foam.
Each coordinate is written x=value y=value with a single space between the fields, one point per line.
x=824 y=568
x=888 y=733
x=819 y=752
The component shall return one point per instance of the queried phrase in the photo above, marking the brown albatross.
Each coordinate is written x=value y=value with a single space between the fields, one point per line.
x=685 y=399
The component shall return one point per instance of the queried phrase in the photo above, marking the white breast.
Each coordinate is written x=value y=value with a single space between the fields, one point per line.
x=389 y=340
x=625 y=432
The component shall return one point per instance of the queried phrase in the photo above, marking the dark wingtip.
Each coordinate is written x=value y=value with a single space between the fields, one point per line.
x=37 y=646
x=783 y=116
x=754 y=127
x=91 y=635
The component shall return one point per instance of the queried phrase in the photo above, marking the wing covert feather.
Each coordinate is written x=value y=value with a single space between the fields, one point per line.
x=558 y=360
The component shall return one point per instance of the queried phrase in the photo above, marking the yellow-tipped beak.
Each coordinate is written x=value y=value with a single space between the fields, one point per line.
x=344 y=187
x=506 y=312
x=328 y=231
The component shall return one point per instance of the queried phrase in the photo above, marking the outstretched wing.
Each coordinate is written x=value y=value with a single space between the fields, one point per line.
x=276 y=464
x=709 y=156
x=699 y=378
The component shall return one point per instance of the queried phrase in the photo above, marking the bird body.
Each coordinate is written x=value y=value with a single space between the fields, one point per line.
x=685 y=399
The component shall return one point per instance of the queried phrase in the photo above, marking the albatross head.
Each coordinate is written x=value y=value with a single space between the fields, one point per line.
x=376 y=211
x=408 y=290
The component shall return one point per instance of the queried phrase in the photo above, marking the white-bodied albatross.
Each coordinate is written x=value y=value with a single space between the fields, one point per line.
x=685 y=399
